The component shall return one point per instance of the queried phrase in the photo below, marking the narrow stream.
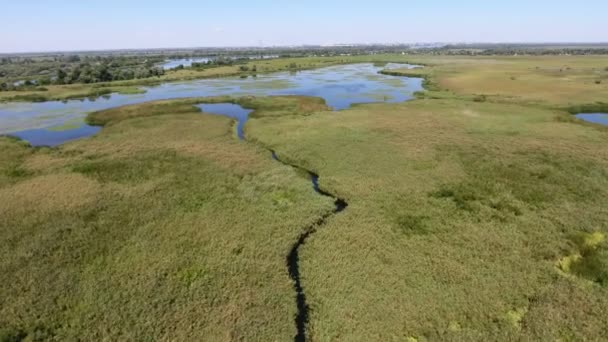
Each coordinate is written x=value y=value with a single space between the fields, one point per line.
x=293 y=258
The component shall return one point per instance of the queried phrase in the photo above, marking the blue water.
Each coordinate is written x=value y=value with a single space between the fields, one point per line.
x=174 y=63
x=50 y=137
x=187 y=62
x=230 y=110
x=598 y=118
x=340 y=86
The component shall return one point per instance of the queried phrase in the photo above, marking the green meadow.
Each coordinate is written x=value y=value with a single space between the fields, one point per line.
x=475 y=212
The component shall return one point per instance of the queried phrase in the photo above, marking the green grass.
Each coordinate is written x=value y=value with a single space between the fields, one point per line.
x=68 y=125
x=598 y=107
x=459 y=212
x=262 y=106
x=467 y=220
x=146 y=231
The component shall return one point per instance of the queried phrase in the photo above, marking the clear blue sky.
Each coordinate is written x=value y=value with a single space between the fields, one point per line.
x=43 y=25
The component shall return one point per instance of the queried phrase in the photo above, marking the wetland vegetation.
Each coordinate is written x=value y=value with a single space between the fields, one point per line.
x=476 y=210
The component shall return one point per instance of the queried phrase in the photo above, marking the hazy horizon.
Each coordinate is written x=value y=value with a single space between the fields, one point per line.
x=565 y=43
x=69 y=25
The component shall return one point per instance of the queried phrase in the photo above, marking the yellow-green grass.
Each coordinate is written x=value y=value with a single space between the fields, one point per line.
x=262 y=106
x=458 y=214
x=547 y=80
x=66 y=92
x=161 y=227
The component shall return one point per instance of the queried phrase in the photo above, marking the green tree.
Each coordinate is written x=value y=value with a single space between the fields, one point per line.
x=44 y=81
x=73 y=59
x=103 y=74
x=75 y=75
x=61 y=75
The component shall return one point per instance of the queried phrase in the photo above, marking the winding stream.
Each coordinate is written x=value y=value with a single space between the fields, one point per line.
x=293 y=258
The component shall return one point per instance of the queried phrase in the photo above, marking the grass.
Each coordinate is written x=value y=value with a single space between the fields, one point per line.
x=547 y=80
x=476 y=212
x=458 y=212
x=67 y=125
x=263 y=106
x=160 y=227
x=598 y=107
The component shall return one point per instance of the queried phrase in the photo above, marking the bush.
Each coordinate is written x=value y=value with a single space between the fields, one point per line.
x=44 y=81
x=29 y=98
x=480 y=98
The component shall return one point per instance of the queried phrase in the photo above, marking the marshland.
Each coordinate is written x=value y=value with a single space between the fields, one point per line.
x=346 y=193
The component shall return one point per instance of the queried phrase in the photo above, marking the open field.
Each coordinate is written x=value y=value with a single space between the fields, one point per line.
x=560 y=80
x=476 y=212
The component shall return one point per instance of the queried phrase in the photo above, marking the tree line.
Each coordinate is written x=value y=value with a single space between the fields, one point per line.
x=25 y=73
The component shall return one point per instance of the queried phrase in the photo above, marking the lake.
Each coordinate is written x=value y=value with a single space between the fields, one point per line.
x=341 y=86
x=187 y=62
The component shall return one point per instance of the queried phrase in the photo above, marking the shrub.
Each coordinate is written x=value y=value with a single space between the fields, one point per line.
x=480 y=98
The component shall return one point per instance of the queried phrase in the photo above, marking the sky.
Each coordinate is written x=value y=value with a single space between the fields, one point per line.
x=60 y=25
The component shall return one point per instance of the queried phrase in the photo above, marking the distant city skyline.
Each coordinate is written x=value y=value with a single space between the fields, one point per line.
x=70 y=25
